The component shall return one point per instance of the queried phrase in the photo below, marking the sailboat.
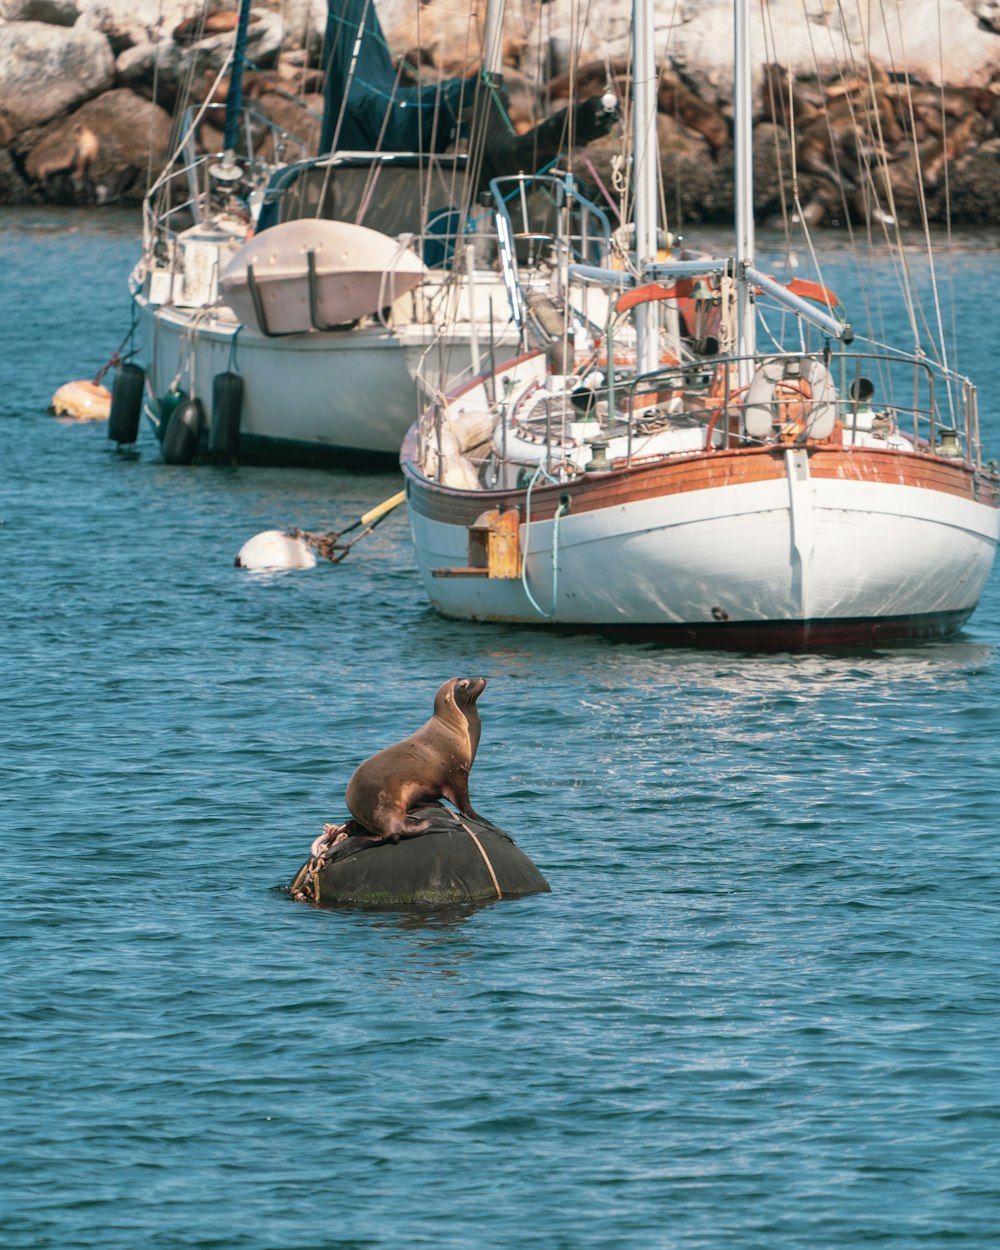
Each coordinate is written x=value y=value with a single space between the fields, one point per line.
x=290 y=319
x=705 y=455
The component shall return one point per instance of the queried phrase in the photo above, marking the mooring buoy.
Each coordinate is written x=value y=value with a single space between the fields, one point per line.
x=457 y=860
x=274 y=549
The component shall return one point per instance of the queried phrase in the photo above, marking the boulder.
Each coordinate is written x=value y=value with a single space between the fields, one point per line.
x=127 y=23
x=450 y=34
x=696 y=36
x=693 y=182
x=695 y=185
x=13 y=188
x=987 y=13
x=975 y=185
x=172 y=66
x=301 y=121
x=53 y=12
x=120 y=134
x=46 y=70
x=305 y=24
x=161 y=66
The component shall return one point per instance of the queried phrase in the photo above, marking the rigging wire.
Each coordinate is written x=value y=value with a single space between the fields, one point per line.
x=664 y=62
x=869 y=287
x=158 y=31
x=917 y=308
x=788 y=111
x=939 y=345
x=949 y=253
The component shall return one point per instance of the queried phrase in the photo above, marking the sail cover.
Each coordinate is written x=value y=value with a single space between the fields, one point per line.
x=365 y=108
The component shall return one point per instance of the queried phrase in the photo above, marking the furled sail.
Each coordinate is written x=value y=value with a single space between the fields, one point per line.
x=366 y=109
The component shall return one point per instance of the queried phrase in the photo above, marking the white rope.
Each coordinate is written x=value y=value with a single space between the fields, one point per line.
x=193 y=127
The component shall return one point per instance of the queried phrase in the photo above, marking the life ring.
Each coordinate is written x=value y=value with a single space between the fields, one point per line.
x=790 y=397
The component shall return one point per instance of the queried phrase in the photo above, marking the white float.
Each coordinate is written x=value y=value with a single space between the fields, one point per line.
x=274 y=550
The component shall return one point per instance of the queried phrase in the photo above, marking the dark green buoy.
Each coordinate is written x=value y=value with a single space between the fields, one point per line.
x=126 y=404
x=455 y=861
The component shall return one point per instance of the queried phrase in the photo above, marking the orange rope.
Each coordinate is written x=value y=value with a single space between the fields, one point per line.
x=486 y=858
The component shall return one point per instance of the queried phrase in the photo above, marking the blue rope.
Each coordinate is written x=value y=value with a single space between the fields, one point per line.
x=555 y=547
x=354 y=27
x=233 y=366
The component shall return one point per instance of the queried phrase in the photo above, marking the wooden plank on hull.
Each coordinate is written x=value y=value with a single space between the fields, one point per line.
x=593 y=492
x=494 y=548
x=708 y=471
x=900 y=468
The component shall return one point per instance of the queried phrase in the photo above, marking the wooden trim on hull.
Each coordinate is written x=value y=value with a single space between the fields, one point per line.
x=812 y=635
x=688 y=474
x=903 y=468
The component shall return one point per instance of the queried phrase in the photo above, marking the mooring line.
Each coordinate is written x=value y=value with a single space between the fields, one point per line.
x=482 y=851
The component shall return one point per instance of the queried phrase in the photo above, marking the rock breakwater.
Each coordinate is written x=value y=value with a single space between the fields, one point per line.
x=857 y=116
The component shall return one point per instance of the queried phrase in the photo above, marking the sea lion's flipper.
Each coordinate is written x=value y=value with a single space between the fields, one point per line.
x=411 y=827
x=457 y=793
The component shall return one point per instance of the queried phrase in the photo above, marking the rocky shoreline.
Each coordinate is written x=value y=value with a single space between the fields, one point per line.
x=92 y=95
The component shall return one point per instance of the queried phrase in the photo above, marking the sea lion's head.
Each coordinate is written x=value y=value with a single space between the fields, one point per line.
x=468 y=690
x=460 y=693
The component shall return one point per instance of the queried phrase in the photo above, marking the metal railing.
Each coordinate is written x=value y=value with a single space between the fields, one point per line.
x=541 y=219
x=186 y=186
x=917 y=416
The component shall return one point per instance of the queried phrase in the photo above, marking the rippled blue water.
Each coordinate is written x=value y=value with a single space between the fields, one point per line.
x=761 y=1007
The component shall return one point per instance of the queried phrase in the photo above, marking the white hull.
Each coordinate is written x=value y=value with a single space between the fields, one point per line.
x=732 y=554
x=310 y=396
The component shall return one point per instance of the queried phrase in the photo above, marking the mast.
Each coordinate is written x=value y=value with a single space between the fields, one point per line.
x=493 y=38
x=234 y=100
x=746 y=342
x=645 y=173
x=229 y=171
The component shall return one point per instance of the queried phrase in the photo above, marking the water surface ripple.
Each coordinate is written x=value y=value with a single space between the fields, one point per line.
x=761 y=1007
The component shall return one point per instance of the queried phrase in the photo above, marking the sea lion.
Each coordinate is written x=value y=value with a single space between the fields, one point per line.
x=87 y=148
x=431 y=764
x=674 y=99
x=193 y=29
x=935 y=154
x=73 y=155
x=786 y=104
x=590 y=79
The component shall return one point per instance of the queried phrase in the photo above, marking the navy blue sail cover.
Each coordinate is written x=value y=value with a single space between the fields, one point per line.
x=365 y=108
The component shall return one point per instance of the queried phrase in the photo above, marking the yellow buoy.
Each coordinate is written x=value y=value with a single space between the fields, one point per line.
x=83 y=401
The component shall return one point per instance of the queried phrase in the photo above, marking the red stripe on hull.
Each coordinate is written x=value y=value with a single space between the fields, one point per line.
x=814 y=635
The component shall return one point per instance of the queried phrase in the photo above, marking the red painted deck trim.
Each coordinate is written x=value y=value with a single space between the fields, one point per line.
x=700 y=471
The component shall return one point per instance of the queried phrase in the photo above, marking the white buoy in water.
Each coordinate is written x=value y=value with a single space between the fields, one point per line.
x=274 y=550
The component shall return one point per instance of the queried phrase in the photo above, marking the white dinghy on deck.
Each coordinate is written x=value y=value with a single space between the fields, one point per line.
x=317 y=275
